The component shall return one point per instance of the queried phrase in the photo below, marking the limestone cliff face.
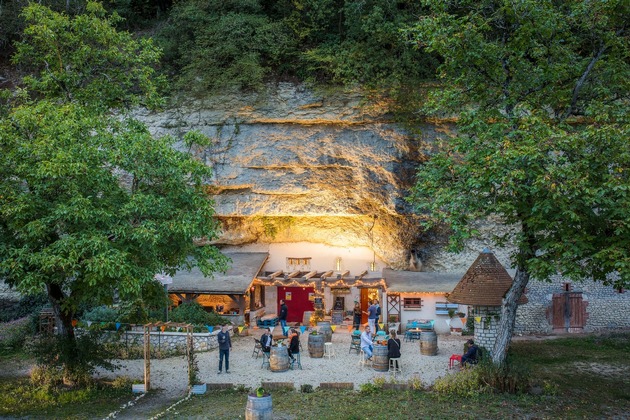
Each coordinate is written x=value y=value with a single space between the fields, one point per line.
x=292 y=164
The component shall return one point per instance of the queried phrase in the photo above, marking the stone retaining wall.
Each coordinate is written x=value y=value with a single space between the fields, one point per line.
x=165 y=341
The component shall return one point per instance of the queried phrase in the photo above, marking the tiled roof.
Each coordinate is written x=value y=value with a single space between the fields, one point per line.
x=419 y=281
x=243 y=268
x=485 y=283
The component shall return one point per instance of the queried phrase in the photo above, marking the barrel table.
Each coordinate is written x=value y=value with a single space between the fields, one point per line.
x=279 y=359
x=380 y=360
x=325 y=328
x=316 y=345
x=428 y=343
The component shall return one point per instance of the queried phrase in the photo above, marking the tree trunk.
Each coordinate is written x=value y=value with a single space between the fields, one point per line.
x=508 y=316
x=63 y=320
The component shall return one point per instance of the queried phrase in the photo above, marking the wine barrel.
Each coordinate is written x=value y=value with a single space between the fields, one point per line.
x=306 y=318
x=380 y=360
x=279 y=359
x=324 y=328
x=316 y=345
x=258 y=408
x=428 y=343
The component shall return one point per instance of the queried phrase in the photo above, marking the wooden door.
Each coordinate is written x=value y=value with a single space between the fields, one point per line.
x=568 y=312
x=297 y=300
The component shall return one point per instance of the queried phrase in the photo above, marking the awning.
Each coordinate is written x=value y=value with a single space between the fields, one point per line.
x=237 y=280
x=420 y=281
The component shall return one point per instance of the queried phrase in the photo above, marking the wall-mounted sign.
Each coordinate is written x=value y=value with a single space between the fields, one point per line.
x=287 y=296
x=311 y=296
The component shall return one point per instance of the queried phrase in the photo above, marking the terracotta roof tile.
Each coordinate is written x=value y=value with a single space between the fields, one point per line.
x=485 y=283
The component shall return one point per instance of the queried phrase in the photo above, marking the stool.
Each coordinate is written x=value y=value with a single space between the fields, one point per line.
x=363 y=360
x=328 y=350
x=296 y=360
x=454 y=358
x=395 y=366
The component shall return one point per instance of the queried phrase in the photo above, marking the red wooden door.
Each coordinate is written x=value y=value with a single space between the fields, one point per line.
x=297 y=300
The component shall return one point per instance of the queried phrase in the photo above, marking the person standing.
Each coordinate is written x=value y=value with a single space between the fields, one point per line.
x=356 y=320
x=284 y=310
x=372 y=317
x=378 y=315
x=225 y=345
x=366 y=343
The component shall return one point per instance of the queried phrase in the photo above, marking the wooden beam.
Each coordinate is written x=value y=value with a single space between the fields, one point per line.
x=292 y=275
x=360 y=276
x=274 y=275
x=309 y=275
x=342 y=275
x=326 y=274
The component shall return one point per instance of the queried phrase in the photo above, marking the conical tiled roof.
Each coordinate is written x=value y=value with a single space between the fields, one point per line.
x=485 y=283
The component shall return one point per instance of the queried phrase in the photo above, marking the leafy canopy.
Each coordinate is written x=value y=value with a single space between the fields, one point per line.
x=90 y=201
x=540 y=90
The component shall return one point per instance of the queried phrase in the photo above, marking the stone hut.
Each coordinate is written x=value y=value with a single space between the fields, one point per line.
x=483 y=287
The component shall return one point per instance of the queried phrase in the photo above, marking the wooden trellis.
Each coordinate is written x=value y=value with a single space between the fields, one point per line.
x=147 y=348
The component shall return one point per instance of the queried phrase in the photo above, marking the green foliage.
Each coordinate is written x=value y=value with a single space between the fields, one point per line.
x=508 y=377
x=101 y=314
x=306 y=388
x=220 y=44
x=15 y=335
x=75 y=359
x=27 y=305
x=465 y=383
x=193 y=313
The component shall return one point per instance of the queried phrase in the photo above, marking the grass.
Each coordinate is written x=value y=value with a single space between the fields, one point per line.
x=579 y=377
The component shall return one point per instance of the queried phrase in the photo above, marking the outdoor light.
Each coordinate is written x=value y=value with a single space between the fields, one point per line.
x=338 y=264
x=373 y=266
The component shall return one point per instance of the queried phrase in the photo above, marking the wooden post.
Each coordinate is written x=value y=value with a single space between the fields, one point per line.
x=189 y=354
x=147 y=358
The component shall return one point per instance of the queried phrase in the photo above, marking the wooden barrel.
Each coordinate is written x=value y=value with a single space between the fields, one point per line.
x=428 y=343
x=380 y=361
x=258 y=408
x=316 y=345
x=279 y=359
x=324 y=328
x=306 y=318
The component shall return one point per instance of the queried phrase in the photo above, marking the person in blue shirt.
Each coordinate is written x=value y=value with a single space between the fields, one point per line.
x=471 y=355
x=366 y=342
x=284 y=310
x=225 y=345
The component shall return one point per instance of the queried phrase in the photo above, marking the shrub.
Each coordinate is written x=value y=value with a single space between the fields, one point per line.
x=306 y=388
x=465 y=383
x=14 y=335
x=101 y=314
x=508 y=377
x=26 y=306
x=193 y=313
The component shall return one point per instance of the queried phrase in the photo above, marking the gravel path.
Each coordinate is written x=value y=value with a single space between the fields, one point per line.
x=170 y=374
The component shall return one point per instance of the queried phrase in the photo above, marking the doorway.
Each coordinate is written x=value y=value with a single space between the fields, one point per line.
x=368 y=294
x=568 y=312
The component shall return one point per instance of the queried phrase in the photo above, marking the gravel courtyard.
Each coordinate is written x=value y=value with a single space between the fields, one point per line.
x=170 y=374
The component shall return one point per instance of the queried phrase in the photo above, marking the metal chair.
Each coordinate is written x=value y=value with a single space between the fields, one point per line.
x=257 y=348
x=355 y=343
x=297 y=360
x=395 y=366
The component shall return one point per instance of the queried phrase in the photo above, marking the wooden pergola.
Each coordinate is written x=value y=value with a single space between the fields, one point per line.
x=147 y=348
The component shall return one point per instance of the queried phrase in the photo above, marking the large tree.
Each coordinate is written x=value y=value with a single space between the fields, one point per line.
x=90 y=202
x=540 y=90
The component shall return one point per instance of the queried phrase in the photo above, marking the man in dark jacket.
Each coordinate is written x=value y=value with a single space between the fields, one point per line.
x=472 y=353
x=283 y=317
x=225 y=345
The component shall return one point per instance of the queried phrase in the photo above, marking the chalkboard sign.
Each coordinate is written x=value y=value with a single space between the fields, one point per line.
x=337 y=317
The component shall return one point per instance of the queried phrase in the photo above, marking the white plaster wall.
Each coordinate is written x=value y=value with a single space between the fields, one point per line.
x=323 y=257
x=427 y=311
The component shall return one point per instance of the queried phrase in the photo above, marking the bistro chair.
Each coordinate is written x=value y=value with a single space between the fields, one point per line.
x=257 y=348
x=265 y=362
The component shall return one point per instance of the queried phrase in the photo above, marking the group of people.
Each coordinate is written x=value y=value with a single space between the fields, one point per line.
x=266 y=341
x=367 y=344
x=373 y=312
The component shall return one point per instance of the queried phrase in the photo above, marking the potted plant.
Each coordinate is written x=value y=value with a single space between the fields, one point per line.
x=259 y=405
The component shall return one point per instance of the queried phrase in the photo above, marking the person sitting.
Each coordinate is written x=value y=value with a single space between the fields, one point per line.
x=294 y=344
x=366 y=343
x=393 y=346
x=265 y=341
x=470 y=356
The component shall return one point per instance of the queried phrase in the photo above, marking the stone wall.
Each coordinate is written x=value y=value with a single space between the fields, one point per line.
x=606 y=307
x=486 y=325
x=167 y=342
